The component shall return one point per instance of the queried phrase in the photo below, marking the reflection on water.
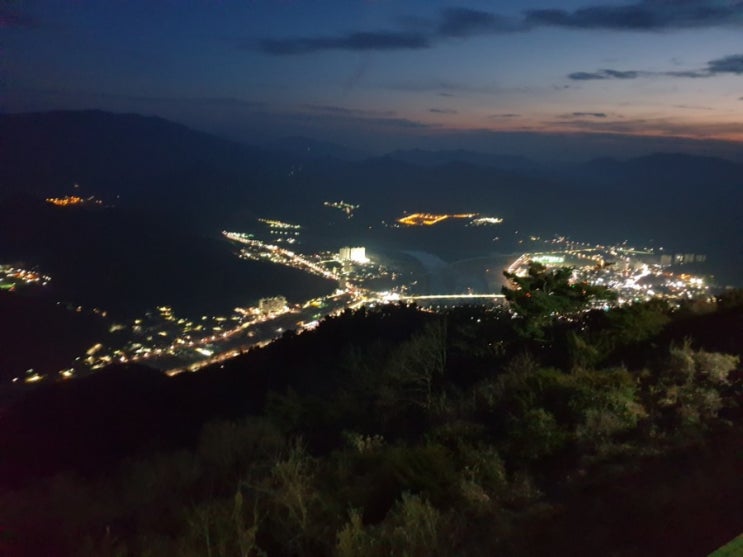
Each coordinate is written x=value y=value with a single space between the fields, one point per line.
x=480 y=275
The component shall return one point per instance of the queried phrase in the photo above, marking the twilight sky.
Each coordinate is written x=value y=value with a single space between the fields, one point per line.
x=382 y=74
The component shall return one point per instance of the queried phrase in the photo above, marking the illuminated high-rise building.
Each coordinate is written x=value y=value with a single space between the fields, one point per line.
x=354 y=254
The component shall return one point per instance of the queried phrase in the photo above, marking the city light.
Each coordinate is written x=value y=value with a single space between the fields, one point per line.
x=486 y=221
x=431 y=219
x=164 y=339
x=12 y=277
x=346 y=208
x=72 y=201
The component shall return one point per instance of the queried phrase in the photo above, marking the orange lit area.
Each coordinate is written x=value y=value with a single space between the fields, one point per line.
x=65 y=201
x=72 y=200
x=430 y=219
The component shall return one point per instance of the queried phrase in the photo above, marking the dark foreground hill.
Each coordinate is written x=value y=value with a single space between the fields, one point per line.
x=397 y=431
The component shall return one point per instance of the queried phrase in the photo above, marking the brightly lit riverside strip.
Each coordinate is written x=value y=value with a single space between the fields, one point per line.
x=633 y=274
x=285 y=256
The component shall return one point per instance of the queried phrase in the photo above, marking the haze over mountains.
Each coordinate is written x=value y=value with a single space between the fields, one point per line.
x=206 y=183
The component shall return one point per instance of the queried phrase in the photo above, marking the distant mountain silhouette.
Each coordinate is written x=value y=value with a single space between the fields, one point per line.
x=690 y=202
x=437 y=158
x=681 y=168
x=148 y=161
x=311 y=148
x=124 y=158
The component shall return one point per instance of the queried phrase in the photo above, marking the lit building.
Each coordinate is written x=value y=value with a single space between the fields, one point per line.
x=547 y=259
x=683 y=258
x=272 y=305
x=354 y=254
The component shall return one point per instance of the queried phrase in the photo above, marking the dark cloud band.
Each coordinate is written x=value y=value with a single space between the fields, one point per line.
x=382 y=40
x=727 y=65
x=461 y=23
x=646 y=15
x=603 y=74
x=588 y=114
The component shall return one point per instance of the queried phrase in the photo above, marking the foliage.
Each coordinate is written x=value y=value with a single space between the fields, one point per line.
x=399 y=443
x=685 y=393
x=608 y=333
x=412 y=528
x=730 y=299
x=414 y=367
x=542 y=295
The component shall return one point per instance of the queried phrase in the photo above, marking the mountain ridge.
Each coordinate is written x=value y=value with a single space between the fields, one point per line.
x=156 y=165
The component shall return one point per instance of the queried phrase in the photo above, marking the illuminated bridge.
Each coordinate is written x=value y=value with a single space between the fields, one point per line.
x=455 y=297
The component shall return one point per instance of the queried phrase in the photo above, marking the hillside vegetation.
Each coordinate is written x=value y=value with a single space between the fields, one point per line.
x=395 y=431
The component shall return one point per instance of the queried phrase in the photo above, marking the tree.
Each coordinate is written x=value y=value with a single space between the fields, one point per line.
x=543 y=294
x=687 y=392
x=412 y=528
x=416 y=365
x=730 y=299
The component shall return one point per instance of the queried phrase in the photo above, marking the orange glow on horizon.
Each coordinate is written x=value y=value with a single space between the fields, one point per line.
x=637 y=123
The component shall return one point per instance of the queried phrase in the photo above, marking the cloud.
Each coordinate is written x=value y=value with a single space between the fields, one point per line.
x=692 y=74
x=645 y=15
x=587 y=115
x=462 y=23
x=345 y=111
x=625 y=17
x=12 y=19
x=692 y=107
x=618 y=74
x=506 y=115
x=587 y=76
x=442 y=87
x=360 y=41
x=729 y=64
x=604 y=74
x=732 y=64
x=400 y=123
x=442 y=110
